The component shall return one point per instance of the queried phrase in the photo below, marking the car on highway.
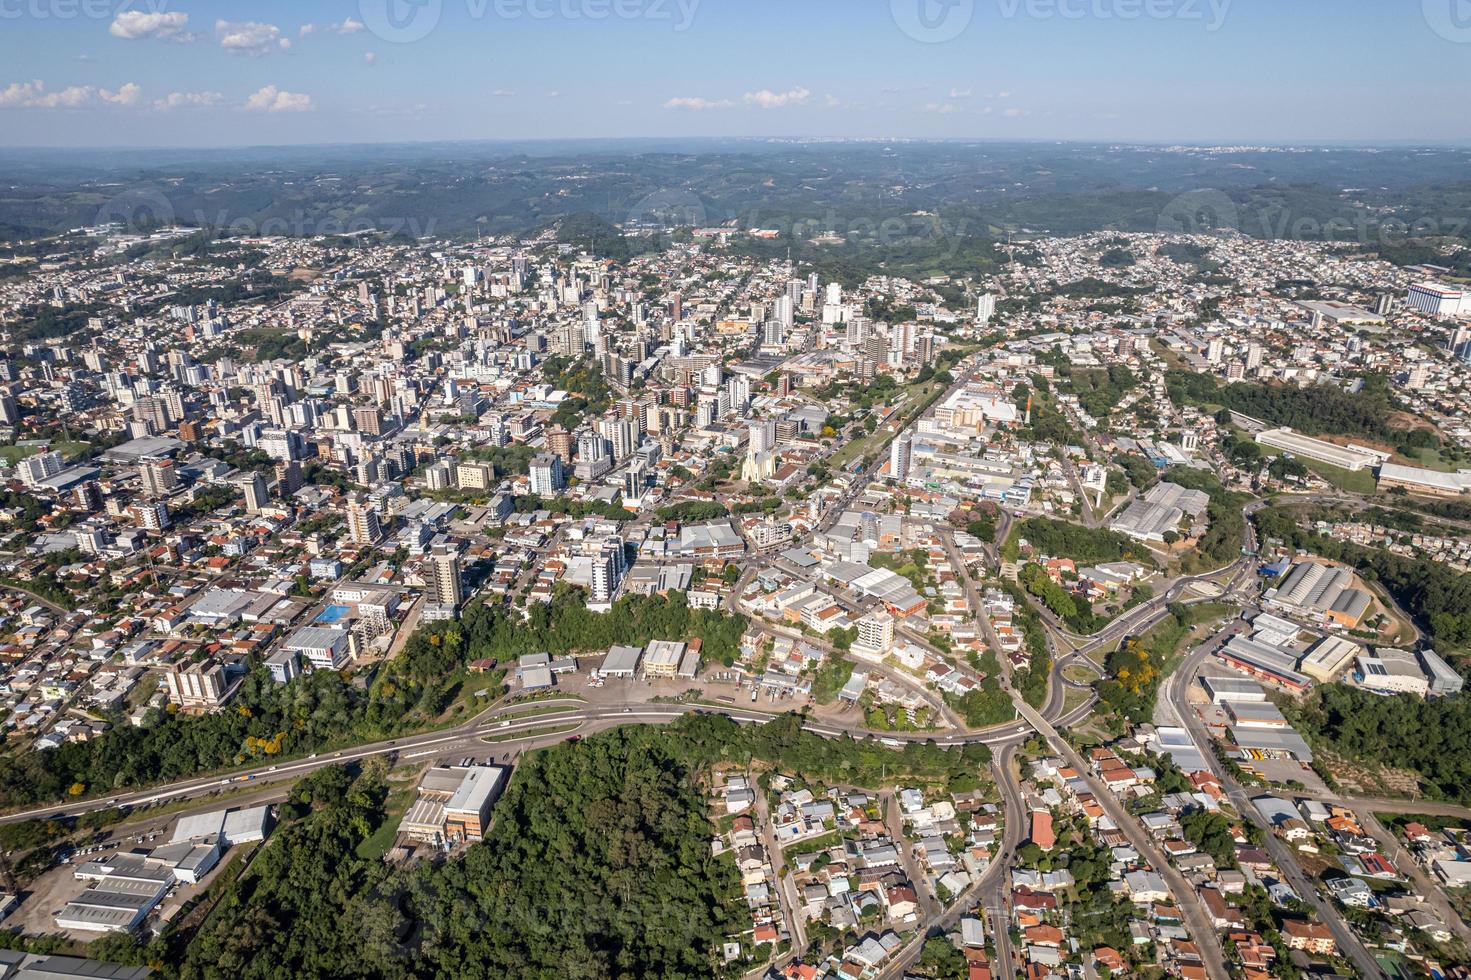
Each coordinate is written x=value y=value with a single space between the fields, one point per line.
x=505 y=724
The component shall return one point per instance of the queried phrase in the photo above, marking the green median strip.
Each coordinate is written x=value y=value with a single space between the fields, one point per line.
x=533 y=732
x=544 y=709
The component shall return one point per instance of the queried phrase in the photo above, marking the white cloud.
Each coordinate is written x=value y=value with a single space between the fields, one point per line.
x=33 y=95
x=832 y=102
x=1015 y=113
x=273 y=99
x=346 y=27
x=767 y=99
x=134 y=25
x=554 y=94
x=249 y=37
x=370 y=57
x=961 y=93
x=764 y=99
x=127 y=94
x=503 y=93
x=188 y=100
x=697 y=103
x=941 y=108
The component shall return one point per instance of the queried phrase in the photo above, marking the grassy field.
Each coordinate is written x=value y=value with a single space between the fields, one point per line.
x=397 y=804
x=914 y=396
x=1360 y=482
x=14 y=454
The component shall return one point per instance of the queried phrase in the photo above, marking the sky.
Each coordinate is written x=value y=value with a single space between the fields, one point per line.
x=193 y=73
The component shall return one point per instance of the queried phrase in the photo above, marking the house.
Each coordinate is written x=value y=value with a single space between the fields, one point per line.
x=1311 y=937
x=902 y=900
x=1042 y=833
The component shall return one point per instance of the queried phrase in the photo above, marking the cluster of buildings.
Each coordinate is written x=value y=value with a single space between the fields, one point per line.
x=124 y=888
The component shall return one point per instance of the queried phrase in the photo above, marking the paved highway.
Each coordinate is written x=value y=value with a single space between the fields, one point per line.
x=470 y=738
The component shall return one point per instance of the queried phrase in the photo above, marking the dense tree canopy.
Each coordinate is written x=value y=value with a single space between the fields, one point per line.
x=1432 y=737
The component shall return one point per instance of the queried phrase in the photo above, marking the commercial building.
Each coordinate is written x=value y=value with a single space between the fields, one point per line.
x=467 y=813
x=323 y=647
x=1267 y=662
x=1329 y=657
x=453 y=804
x=1391 y=672
x=1444 y=680
x=1225 y=690
x=19 y=965
x=1325 y=590
x=124 y=890
x=229 y=827
x=1417 y=479
x=662 y=658
x=1160 y=511
x=1438 y=300
x=1317 y=450
x=621 y=661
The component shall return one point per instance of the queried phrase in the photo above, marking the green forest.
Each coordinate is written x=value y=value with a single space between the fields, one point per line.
x=598 y=865
x=1315 y=410
x=1430 y=736
x=1084 y=545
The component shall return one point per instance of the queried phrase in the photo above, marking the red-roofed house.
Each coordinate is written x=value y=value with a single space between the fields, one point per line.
x=1042 y=833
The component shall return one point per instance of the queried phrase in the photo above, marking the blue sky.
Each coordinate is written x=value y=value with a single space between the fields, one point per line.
x=194 y=73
